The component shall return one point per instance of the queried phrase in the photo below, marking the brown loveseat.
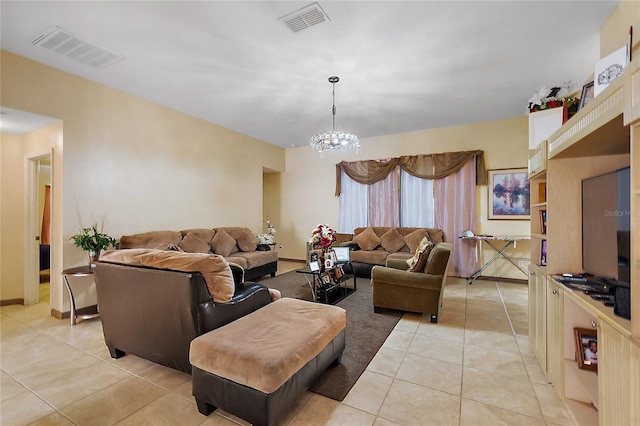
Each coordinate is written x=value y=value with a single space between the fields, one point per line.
x=396 y=287
x=155 y=312
x=375 y=244
x=237 y=245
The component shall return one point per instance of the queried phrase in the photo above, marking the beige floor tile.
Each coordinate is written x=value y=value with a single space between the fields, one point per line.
x=165 y=377
x=475 y=413
x=398 y=340
x=369 y=392
x=168 y=410
x=114 y=403
x=452 y=319
x=216 y=419
x=533 y=370
x=437 y=348
x=408 y=323
x=509 y=393
x=524 y=344
x=384 y=422
x=521 y=327
x=492 y=360
x=441 y=331
x=131 y=363
x=79 y=384
x=454 y=305
x=54 y=368
x=228 y=417
x=489 y=324
x=387 y=361
x=554 y=410
x=411 y=404
x=491 y=340
x=23 y=409
x=9 y=387
x=323 y=411
x=185 y=391
x=30 y=348
x=435 y=374
x=55 y=419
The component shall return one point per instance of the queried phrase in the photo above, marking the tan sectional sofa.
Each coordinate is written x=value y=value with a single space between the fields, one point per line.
x=377 y=244
x=238 y=245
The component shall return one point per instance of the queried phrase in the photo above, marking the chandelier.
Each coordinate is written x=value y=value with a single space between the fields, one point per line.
x=335 y=139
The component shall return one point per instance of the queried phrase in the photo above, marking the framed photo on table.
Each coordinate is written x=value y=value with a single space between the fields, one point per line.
x=586 y=348
x=509 y=194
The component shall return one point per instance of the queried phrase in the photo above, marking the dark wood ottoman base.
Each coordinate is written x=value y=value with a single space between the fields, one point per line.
x=256 y=407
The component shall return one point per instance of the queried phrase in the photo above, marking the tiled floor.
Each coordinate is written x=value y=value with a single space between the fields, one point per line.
x=475 y=367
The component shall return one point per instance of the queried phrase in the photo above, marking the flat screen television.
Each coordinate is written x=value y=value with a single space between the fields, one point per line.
x=606 y=225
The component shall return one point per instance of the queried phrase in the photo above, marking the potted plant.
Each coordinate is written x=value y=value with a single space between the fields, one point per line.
x=93 y=241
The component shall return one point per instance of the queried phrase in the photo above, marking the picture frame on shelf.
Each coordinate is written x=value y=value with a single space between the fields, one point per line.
x=609 y=68
x=509 y=194
x=586 y=348
x=543 y=253
x=314 y=266
x=587 y=95
x=543 y=221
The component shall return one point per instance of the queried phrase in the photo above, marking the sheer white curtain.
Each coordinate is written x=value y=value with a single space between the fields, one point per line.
x=383 y=201
x=416 y=201
x=354 y=200
x=455 y=197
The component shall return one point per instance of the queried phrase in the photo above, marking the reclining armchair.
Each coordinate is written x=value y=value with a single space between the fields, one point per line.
x=395 y=287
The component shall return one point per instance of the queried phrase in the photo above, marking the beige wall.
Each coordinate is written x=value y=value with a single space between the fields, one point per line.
x=614 y=33
x=307 y=185
x=138 y=164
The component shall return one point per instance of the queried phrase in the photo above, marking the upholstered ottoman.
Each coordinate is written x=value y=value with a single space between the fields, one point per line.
x=258 y=365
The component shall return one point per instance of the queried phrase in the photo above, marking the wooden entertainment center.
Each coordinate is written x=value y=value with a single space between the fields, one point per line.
x=603 y=136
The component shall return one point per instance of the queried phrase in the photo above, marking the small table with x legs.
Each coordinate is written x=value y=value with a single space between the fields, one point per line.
x=79 y=271
x=507 y=242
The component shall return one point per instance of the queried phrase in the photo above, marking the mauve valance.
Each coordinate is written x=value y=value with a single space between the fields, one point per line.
x=425 y=166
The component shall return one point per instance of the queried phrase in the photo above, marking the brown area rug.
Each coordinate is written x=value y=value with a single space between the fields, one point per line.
x=366 y=332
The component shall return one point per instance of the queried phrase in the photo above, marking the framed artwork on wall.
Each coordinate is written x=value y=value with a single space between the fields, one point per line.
x=509 y=194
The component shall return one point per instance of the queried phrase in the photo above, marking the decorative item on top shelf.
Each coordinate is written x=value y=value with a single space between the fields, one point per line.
x=586 y=348
x=608 y=69
x=587 y=95
x=509 y=194
x=555 y=97
x=93 y=241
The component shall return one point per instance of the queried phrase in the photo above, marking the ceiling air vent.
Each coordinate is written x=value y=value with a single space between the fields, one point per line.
x=65 y=43
x=305 y=17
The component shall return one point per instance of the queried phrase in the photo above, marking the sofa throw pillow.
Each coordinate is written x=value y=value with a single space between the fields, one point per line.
x=414 y=238
x=436 y=235
x=392 y=241
x=192 y=244
x=247 y=241
x=222 y=243
x=204 y=234
x=367 y=239
x=419 y=259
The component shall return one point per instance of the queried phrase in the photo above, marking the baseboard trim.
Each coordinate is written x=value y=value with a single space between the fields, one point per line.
x=11 y=302
x=87 y=310
x=284 y=259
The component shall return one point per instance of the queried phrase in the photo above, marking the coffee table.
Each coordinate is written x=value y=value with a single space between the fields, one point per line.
x=325 y=288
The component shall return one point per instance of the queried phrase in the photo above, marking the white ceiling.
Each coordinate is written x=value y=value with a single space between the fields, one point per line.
x=403 y=65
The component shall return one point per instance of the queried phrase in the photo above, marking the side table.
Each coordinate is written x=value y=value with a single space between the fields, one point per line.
x=79 y=271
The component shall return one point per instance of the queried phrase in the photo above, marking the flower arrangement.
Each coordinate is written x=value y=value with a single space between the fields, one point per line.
x=91 y=240
x=322 y=237
x=268 y=237
x=555 y=97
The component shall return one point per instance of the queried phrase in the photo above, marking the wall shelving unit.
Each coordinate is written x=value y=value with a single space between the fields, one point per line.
x=601 y=137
